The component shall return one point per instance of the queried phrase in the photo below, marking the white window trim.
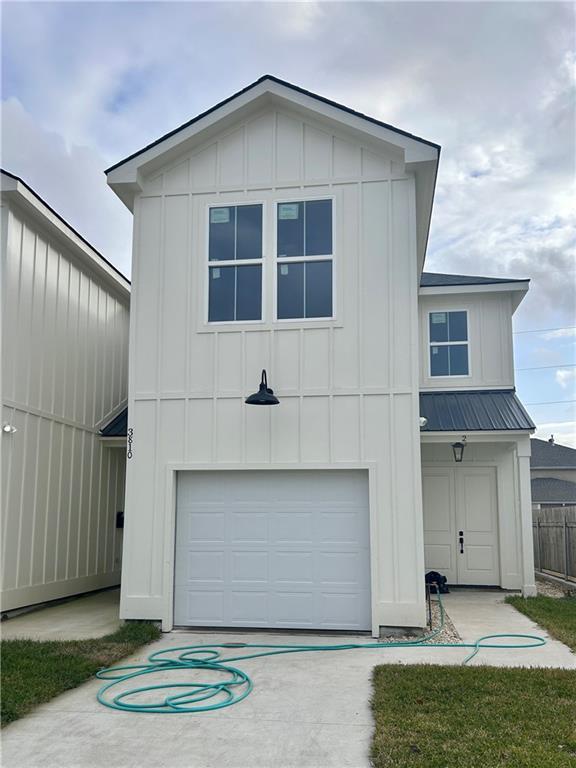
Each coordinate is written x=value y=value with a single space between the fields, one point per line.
x=448 y=344
x=302 y=259
x=208 y=265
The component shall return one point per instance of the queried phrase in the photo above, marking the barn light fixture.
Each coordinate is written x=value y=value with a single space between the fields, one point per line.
x=9 y=429
x=458 y=450
x=264 y=396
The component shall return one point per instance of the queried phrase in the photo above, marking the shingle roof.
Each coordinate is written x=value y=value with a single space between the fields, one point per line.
x=547 y=455
x=550 y=490
x=475 y=411
x=434 y=279
x=118 y=427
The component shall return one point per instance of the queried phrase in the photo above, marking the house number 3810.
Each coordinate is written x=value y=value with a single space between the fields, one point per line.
x=129 y=440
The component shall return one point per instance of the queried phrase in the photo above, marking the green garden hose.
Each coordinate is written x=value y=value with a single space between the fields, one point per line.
x=236 y=684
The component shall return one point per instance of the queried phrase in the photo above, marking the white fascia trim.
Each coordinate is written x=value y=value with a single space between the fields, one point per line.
x=440 y=290
x=414 y=150
x=14 y=190
x=500 y=436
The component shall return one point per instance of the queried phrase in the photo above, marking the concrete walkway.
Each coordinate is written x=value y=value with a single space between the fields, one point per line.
x=77 y=619
x=306 y=711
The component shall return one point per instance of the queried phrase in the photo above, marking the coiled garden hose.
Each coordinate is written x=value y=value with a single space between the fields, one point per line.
x=237 y=684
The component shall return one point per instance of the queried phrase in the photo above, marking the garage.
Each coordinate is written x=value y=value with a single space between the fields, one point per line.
x=286 y=549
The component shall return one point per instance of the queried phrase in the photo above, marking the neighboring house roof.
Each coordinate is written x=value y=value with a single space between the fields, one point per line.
x=12 y=185
x=433 y=279
x=279 y=81
x=547 y=455
x=551 y=490
x=118 y=427
x=476 y=411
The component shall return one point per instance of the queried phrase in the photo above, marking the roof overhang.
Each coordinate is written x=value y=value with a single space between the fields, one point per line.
x=517 y=288
x=420 y=156
x=14 y=190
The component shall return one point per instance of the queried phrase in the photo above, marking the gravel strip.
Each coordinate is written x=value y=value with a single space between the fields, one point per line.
x=548 y=589
x=447 y=635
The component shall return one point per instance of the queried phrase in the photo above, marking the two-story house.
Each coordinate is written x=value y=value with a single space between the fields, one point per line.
x=285 y=232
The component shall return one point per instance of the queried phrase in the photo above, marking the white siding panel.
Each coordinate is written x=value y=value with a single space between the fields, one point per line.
x=174 y=320
x=317 y=153
x=229 y=366
x=375 y=267
x=203 y=168
x=232 y=158
x=403 y=277
x=315 y=426
x=286 y=431
x=287 y=360
x=177 y=178
x=347 y=161
x=289 y=148
x=316 y=360
x=260 y=150
x=229 y=433
x=65 y=374
x=346 y=428
x=199 y=428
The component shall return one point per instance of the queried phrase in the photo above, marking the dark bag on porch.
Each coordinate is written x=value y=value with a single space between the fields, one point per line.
x=435 y=580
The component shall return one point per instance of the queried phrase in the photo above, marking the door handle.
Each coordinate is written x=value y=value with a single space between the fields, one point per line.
x=461 y=541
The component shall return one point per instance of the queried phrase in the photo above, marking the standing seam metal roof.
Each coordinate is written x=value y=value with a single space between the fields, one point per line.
x=474 y=411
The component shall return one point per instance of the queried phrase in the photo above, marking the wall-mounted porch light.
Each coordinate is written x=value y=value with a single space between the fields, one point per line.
x=458 y=450
x=264 y=396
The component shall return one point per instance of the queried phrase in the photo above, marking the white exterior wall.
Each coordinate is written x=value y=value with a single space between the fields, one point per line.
x=64 y=372
x=348 y=387
x=490 y=346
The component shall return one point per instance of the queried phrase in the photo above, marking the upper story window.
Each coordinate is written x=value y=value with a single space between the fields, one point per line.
x=304 y=254
x=449 y=343
x=235 y=263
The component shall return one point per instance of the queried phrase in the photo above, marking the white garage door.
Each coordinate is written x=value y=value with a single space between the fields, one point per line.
x=273 y=549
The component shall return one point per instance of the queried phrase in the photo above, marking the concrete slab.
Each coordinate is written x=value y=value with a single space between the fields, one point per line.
x=477 y=612
x=78 y=619
x=307 y=710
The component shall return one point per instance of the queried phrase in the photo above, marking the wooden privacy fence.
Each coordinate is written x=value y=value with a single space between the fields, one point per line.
x=555 y=541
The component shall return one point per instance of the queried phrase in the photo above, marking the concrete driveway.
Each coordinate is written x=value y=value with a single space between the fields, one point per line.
x=306 y=711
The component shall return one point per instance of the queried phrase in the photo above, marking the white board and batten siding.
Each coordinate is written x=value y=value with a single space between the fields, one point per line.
x=348 y=387
x=64 y=371
x=490 y=340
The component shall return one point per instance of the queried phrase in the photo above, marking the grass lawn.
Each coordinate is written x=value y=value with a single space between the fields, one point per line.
x=473 y=717
x=34 y=672
x=556 y=614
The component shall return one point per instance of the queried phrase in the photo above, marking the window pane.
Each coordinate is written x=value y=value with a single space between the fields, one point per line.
x=221 y=235
x=438 y=326
x=458 y=359
x=249 y=292
x=457 y=327
x=318 y=227
x=439 y=361
x=221 y=293
x=249 y=232
x=290 y=229
x=290 y=291
x=318 y=289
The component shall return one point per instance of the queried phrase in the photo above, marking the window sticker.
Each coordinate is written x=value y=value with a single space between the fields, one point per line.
x=438 y=317
x=219 y=215
x=434 y=350
x=283 y=269
x=215 y=273
x=288 y=211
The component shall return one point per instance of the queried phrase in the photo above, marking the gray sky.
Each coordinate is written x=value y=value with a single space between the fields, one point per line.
x=85 y=84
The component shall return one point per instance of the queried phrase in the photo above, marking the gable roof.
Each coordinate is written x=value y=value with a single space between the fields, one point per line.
x=551 y=490
x=251 y=87
x=15 y=187
x=433 y=279
x=118 y=427
x=547 y=455
x=476 y=411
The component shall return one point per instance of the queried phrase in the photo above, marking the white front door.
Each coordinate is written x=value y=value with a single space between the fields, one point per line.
x=461 y=523
x=273 y=549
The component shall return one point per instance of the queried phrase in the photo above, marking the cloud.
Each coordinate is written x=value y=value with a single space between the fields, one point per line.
x=559 y=333
x=564 y=432
x=566 y=377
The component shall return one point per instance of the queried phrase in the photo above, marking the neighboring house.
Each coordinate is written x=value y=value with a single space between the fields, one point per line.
x=553 y=473
x=64 y=374
x=281 y=231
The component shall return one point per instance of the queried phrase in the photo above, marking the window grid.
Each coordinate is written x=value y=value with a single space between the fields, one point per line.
x=303 y=260
x=457 y=343
x=218 y=263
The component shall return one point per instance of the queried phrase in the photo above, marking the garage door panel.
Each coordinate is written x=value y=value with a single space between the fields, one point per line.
x=286 y=549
